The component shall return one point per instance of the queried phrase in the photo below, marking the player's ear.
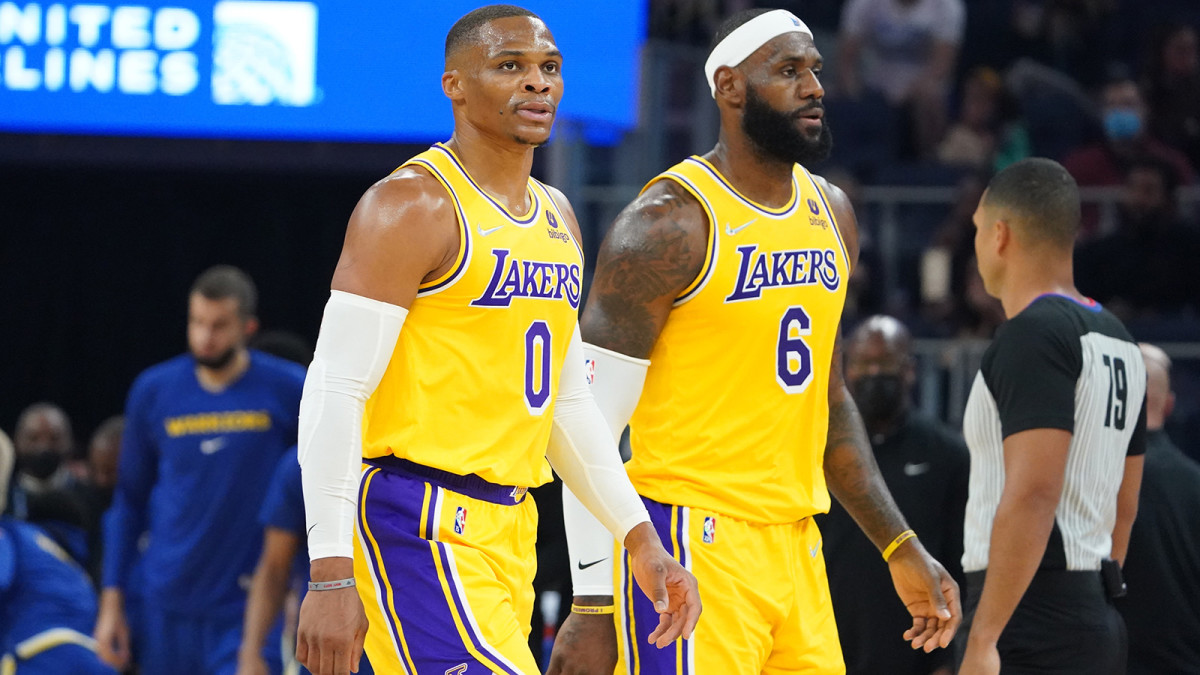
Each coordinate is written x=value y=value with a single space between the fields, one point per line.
x=731 y=86
x=1002 y=235
x=251 y=326
x=452 y=85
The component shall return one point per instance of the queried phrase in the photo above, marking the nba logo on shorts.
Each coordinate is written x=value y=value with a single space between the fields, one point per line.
x=589 y=367
x=460 y=520
x=710 y=529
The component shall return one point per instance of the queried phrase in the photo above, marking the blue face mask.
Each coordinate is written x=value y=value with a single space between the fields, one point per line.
x=1122 y=124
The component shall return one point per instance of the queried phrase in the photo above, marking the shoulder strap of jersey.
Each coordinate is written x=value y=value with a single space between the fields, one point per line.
x=697 y=184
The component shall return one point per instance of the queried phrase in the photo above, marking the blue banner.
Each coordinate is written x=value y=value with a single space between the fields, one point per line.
x=338 y=70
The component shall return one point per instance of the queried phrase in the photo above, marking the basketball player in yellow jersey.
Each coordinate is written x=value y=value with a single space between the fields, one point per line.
x=713 y=324
x=448 y=370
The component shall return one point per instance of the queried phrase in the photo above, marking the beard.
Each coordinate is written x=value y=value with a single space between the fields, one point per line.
x=217 y=362
x=775 y=134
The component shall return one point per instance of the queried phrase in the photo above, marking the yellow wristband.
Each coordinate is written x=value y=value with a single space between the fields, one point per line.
x=592 y=609
x=900 y=539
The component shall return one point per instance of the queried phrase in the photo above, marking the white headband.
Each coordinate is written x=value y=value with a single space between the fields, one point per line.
x=747 y=38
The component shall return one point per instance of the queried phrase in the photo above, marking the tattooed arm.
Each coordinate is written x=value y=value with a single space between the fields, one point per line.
x=853 y=477
x=653 y=251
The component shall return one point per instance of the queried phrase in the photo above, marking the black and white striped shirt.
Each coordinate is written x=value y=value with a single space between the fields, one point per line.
x=1058 y=364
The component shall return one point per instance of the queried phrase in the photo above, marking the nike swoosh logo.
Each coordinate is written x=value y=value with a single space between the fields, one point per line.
x=584 y=567
x=210 y=445
x=484 y=233
x=814 y=550
x=913 y=469
x=310 y=529
x=734 y=230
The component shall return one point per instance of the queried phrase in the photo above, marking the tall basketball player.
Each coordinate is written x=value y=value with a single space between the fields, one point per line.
x=448 y=369
x=713 y=324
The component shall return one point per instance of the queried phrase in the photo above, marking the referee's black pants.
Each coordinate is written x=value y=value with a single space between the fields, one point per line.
x=1064 y=625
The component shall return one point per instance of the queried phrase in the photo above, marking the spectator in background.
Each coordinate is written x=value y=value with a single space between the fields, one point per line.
x=953 y=298
x=204 y=432
x=988 y=134
x=47 y=604
x=925 y=466
x=104 y=451
x=1162 y=568
x=282 y=566
x=1126 y=139
x=45 y=491
x=906 y=50
x=1172 y=86
x=1146 y=268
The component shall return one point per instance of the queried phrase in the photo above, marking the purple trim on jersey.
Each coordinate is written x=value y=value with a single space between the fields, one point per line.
x=733 y=191
x=837 y=232
x=533 y=212
x=562 y=218
x=1091 y=305
x=465 y=229
x=393 y=512
x=480 y=645
x=713 y=243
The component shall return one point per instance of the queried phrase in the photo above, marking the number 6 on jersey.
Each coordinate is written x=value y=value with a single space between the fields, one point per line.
x=793 y=369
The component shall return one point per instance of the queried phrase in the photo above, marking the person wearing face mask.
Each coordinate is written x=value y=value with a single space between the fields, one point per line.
x=1123 y=115
x=46 y=602
x=925 y=466
x=44 y=491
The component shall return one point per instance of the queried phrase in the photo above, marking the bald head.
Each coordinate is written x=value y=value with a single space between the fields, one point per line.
x=1160 y=400
x=879 y=372
x=886 y=331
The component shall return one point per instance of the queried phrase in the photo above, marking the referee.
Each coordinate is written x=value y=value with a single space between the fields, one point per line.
x=1055 y=424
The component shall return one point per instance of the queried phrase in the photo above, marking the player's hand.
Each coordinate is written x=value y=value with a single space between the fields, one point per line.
x=929 y=593
x=112 y=630
x=333 y=623
x=672 y=589
x=586 y=645
x=980 y=659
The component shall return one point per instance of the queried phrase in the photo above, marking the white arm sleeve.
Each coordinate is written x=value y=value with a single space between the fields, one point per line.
x=357 y=338
x=583 y=453
x=617 y=382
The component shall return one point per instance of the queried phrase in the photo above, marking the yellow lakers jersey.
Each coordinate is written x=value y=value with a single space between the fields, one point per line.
x=735 y=409
x=471 y=384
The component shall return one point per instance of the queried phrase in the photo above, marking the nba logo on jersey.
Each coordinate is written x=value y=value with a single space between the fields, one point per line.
x=589 y=367
x=710 y=529
x=460 y=520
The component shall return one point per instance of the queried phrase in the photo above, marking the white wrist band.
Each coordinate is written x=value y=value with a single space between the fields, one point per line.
x=747 y=38
x=330 y=585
